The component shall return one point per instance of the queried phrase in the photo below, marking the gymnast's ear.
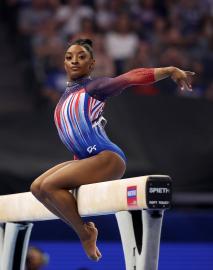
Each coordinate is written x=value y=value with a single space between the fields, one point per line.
x=92 y=65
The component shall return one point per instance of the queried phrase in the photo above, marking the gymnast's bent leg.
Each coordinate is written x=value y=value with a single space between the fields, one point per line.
x=105 y=166
x=35 y=187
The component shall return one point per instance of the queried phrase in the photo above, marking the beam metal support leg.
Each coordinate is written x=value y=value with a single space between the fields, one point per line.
x=1 y=238
x=26 y=240
x=152 y=224
x=140 y=254
x=125 y=224
x=15 y=245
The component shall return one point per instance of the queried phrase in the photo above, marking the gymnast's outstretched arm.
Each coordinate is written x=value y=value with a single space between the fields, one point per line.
x=103 y=88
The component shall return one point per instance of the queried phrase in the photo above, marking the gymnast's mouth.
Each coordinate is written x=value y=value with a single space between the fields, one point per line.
x=75 y=68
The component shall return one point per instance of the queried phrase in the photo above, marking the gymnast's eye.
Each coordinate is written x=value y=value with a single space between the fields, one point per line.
x=68 y=57
x=82 y=56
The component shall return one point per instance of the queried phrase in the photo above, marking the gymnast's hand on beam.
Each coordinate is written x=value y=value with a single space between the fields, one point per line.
x=182 y=78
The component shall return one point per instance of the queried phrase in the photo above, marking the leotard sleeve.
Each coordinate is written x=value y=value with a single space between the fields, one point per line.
x=102 y=88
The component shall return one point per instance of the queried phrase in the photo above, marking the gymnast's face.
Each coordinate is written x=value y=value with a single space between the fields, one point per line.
x=78 y=62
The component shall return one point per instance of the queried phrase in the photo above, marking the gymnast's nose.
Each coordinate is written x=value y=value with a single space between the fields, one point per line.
x=74 y=63
x=75 y=60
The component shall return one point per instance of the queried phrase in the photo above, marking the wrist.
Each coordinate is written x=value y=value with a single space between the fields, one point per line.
x=170 y=70
x=164 y=72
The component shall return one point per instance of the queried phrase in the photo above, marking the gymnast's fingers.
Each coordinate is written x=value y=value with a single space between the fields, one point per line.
x=189 y=73
x=184 y=84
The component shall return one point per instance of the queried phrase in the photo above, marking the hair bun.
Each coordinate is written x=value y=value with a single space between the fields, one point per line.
x=83 y=41
x=88 y=41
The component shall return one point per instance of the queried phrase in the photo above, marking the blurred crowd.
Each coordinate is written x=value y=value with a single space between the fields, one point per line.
x=36 y=259
x=126 y=34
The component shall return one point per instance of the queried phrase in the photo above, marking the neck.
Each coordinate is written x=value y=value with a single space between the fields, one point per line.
x=78 y=80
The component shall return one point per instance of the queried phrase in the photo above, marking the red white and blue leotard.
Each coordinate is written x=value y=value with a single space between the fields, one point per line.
x=81 y=106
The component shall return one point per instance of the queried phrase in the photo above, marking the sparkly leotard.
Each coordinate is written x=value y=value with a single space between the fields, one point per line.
x=78 y=114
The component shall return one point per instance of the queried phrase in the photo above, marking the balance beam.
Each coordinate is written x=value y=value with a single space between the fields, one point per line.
x=150 y=195
x=145 y=192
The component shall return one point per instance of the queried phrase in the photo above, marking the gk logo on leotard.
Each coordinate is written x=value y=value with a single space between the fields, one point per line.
x=91 y=148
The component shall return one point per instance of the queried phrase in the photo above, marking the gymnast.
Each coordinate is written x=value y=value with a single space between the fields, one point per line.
x=80 y=124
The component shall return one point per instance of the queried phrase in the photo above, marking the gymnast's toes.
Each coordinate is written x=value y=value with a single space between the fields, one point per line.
x=98 y=253
x=89 y=244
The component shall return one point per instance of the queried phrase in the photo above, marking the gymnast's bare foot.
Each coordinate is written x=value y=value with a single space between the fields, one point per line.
x=89 y=244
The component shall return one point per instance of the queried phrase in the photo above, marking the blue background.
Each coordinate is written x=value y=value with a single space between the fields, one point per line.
x=187 y=243
x=173 y=256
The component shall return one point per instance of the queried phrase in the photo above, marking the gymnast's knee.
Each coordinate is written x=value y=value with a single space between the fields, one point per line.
x=47 y=189
x=35 y=189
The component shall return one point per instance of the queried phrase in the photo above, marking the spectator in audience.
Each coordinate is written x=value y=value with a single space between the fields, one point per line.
x=175 y=32
x=36 y=259
x=87 y=30
x=122 y=43
x=54 y=6
x=30 y=23
x=158 y=35
x=143 y=58
x=55 y=80
x=174 y=56
x=118 y=6
x=190 y=19
x=144 y=14
x=104 y=63
x=205 y=39
x=174 y=37
x=70 y=16
x=46 y=44
x=104 y=17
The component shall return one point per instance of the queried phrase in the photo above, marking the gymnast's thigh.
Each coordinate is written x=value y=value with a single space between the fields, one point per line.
x=52 y=170
x=104 y=166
